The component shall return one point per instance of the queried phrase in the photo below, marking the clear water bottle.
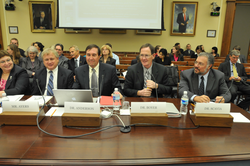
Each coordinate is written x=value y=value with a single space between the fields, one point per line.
x=116 y=99
x=4 y=98
x=184 y=103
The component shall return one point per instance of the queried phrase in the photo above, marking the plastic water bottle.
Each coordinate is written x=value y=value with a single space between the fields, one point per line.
x=116 y=99
x=184 y=103
x=4 y=98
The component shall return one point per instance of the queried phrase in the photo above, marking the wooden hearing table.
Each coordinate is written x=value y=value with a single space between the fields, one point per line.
x=27 y=145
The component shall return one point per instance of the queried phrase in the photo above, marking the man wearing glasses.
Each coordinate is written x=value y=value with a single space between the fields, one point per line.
x=143 y=78
x=203 y=83
x=236 y=71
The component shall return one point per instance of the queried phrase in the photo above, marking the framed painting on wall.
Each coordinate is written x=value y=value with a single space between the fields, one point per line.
x=184 y=17
x=148 y=32
x=42 y=16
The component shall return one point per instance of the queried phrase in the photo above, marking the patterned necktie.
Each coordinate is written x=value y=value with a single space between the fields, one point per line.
x=76 y=63
x=235 y=72
x=146 y=77
x=50 y=84
x=201 y=89
x=94 y=86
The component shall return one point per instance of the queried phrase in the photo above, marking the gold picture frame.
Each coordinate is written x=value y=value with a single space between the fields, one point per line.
x=78 y=30
x=42 y=16
x=113 y=31
x=148 y=32
x=184 y=24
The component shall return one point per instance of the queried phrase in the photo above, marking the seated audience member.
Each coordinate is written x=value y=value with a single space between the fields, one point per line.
x=101 y=78
x=202 y=48
x=203 y=83
x=52 y=76
x=136 y=60
x=13 y=50
x=63 y=61
x=15 y=41
x=176 y=54
x=215 y=52
x=143 y=78
x=106 y=55
x=179 y=45
x=235 y=72
x=77 y=60
x=31 y=63
x=198 y=50
x=116 y=57
x=157 y=49
x=14 y=79
x=188 y=51
x=163 y=57
x=241 y=59
x=39 y=46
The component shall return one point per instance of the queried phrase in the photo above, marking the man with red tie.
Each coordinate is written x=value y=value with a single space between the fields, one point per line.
x=182 y=20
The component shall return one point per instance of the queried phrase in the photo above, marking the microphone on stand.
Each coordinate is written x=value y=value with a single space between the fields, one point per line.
x=37 y=82
x=228 y=89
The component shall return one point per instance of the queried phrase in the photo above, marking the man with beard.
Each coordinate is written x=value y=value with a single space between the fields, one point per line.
x=203 y=83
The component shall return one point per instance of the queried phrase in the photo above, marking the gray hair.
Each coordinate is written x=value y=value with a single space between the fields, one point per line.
x=31 y=49
x=235 y=52
x=50 y=50
x=210 y=57
x=74 y=46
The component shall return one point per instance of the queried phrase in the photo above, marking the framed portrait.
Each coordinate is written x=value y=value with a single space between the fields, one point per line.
x=114 y=31
x=211 y=33
x=78 y=30
x=148 y=32
x=184 y=17
x=42 y=16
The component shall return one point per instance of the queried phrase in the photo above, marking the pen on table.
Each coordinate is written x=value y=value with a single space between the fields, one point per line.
x=53 y=113
x=192 y=104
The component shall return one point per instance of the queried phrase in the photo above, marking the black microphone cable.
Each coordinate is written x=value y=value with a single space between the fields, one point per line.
x=228 y=89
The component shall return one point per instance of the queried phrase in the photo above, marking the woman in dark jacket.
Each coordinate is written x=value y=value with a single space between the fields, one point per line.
x=163 y=57
x=107 y=55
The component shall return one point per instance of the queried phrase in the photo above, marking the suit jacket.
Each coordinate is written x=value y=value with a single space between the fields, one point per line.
x=192 y=53
x=216 y=85
x=65 y=80
x=63 y=61
x=72 y=63
x=107 y=78
x=27 y=65
x=110 y=61
x=17 y=82
x=180 y=19
x=226 y=69
x=135 y=80
x=171 y=56
x=167 y=60
x=22 y=52
x=45 y=23
x=242 y=59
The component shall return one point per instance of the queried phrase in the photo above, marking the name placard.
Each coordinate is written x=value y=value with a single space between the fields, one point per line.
x=148 y=107
x=212 y=108
x=82 y=108
x=20 y=106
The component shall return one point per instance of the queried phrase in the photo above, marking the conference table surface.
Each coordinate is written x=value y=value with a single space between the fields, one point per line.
x=27 y=145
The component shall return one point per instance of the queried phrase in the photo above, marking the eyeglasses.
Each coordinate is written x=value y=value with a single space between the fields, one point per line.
x=146 y=56
x=199 y=63
x=3 y=62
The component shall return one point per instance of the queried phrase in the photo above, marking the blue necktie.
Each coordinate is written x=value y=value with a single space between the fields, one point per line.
x=50 y=85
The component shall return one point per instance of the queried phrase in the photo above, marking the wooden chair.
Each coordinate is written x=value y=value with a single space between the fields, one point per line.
x=125 y=62
x=246 y=64
x=128 y=58
x=189 y=59
x=132 y=55
x=217 y=64
x=219 y=60
x=179 y=63
x=190 y=63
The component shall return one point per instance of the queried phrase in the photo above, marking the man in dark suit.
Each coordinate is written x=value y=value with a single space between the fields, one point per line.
x=241 y=59
x=146 y=76
x=204 y=83
x=235 y=72
x=182 y=20
x=52 y=76
x=41 y=22
x=188 y=51
x=77 y=60
x=101 y=78
x=15 y=41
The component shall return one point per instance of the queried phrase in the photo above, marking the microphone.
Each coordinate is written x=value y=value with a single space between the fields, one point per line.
x=37 y=82
x=228 y=89
x=156 y=93
x=100 y=92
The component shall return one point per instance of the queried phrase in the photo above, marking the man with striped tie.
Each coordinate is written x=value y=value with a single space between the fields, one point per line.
x=52 y=76
x=144 y=77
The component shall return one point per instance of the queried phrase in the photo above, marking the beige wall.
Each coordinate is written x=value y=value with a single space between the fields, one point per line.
x=121 y=42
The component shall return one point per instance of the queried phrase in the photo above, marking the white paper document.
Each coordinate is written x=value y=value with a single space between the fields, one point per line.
x=58 y=111
x=239 y=118
x=40 y=99
x=15 y=97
